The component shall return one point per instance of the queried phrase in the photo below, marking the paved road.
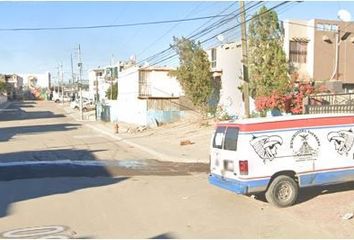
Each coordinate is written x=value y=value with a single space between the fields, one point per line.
x=40 y=131
x=130 y=195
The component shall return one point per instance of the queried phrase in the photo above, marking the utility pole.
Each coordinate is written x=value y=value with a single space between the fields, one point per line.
x=112 y=62
x=244 y=59
x=58 y=77
x=72 y=69
x=79 y=64
x=336 y=66
x=96 y=98
x=62 y=83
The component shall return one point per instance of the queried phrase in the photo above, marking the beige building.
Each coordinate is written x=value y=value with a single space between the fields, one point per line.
x=15 y=84
x=322 y=50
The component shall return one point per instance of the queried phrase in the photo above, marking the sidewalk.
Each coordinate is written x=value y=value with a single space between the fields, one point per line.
x=164 y=143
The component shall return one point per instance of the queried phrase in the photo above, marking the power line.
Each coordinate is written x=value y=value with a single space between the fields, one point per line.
x=227 y=8
x=281 y=10
x=258 y=15
x=316 y=27
x=174 y=55
x=112 y=25
x=150 y=58
x=227 y=30
x=222 y=22
x=202 y=32
x=168 y=31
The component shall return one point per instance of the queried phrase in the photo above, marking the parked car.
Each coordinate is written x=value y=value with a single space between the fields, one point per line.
x=87 y=104
x=59 y=98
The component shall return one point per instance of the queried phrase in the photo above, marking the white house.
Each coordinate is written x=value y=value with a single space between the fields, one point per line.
x=226 y=66
x=98 y=76
x=147 y=96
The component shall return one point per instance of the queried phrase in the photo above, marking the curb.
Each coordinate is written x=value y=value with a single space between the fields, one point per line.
x=160 y=156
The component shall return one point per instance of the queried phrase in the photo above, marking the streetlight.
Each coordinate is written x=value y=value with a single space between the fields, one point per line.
x=344 y=16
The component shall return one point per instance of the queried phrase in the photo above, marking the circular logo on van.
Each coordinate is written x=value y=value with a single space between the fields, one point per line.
x=305 y=145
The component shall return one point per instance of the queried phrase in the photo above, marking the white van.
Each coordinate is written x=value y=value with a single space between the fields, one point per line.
x=279 y=155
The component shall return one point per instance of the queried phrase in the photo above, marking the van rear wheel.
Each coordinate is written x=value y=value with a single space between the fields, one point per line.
x=282 y=192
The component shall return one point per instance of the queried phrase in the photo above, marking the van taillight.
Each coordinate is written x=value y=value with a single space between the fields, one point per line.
x=243 y=166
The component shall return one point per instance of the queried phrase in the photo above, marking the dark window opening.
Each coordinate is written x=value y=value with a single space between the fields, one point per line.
x=298 y=51
x=231 y=137
x=213 y=57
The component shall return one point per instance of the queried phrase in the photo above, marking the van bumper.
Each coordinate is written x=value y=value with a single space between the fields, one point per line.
x=239 y=187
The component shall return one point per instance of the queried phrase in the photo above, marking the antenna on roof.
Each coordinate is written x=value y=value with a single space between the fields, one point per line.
x=344 y=15
x=220 y=37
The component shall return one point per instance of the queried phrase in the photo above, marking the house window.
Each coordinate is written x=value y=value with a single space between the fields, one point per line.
x=326 y=27
x=213 y=58
x=144 y=86
x=298 y=51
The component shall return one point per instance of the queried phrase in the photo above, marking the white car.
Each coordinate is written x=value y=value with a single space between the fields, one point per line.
x=87 y=104
x=58 y=99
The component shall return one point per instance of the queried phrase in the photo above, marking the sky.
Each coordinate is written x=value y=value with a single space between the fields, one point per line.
x=41 y=51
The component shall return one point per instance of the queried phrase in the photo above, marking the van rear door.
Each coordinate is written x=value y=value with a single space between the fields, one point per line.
x=216 y=150
x=223 y=152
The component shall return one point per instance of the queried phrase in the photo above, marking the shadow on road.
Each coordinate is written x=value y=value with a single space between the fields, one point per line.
x=49 y=155
x=309 y=193
x=7 y=133
x=15 y=112
x=24 y=181
x=20 y=190
x=19 y=114
x=165 y=236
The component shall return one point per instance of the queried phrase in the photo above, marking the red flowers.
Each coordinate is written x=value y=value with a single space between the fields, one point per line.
x=291 y=102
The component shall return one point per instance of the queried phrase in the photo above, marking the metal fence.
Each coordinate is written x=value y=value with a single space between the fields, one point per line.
x=329 y=103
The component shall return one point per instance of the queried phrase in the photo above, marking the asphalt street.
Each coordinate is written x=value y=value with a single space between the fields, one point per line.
x=41 y=132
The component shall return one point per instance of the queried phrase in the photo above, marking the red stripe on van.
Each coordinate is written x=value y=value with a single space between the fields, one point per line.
x=296 y=123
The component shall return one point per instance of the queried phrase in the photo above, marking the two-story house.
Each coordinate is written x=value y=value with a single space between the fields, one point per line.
x=322 y=51
x=226 y=67
x=147 y=96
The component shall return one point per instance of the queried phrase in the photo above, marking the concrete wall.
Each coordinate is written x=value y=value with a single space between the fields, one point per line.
x=163 y=85
x=324 y=60
x=228 y=62
x=311 y=48
x=128 y=107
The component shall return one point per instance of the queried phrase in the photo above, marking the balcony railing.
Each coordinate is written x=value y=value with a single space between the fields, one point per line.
x=329 y=103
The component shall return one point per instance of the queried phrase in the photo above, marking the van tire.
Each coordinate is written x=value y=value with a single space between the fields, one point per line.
x=282 y=191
